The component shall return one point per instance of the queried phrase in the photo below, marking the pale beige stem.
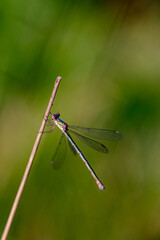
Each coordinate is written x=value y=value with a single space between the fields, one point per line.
x=29 y=164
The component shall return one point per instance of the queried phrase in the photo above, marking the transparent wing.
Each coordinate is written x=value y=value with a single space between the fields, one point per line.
x=103 y=134
x=60 y=153
x=91 y=143
x=72 y=148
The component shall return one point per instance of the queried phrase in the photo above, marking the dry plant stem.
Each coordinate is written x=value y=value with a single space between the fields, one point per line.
x=29 y=164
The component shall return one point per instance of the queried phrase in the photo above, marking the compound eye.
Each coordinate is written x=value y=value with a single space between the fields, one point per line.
x=55 y=116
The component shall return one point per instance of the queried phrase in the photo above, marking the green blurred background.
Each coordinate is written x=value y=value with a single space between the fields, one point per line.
x=108 y=54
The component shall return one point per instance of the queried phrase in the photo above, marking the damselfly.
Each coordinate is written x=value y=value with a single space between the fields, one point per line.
x=102 y=134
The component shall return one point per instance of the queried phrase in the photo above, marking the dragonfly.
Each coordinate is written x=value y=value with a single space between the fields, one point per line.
x=85 y=135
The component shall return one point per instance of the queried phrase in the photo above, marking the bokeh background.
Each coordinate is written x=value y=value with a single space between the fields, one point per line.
x=108 y=54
